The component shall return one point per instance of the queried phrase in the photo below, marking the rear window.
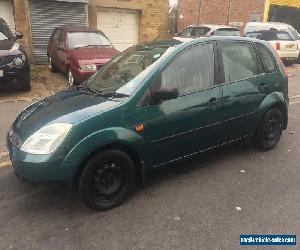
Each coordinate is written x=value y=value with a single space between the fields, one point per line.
x=271 y=35
x=194 y=31
x=266 y=56
x=227 y=32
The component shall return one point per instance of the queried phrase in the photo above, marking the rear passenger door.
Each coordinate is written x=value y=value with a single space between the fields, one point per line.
x=242 y=88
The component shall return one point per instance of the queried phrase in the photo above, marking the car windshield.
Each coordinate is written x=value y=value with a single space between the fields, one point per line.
x=123 y=74
x=5 y=33
x=227 y=32
x=87 y=39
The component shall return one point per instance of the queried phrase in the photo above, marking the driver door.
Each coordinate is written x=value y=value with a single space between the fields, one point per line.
x=190 y=123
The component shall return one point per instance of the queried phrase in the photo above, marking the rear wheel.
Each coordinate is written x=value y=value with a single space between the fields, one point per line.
x=269 y=131
x=107 y=180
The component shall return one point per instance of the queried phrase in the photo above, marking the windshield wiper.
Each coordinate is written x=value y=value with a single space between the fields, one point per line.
x=87 y=90
x=113 y=94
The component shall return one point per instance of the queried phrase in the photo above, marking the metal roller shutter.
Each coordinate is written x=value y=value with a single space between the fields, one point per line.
x=45 y=16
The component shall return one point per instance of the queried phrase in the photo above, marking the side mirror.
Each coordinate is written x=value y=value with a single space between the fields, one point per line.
x=164 y=94
x=19 y=35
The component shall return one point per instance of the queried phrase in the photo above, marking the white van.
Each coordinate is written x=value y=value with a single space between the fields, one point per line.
x=258 y=26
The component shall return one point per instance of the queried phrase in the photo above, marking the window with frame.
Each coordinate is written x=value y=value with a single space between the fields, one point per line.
x=240 y=61
x=191 y=71
x=266 y=57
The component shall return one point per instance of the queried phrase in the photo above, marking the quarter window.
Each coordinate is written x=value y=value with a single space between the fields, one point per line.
x=240 y=61
x=191 y=71
x=266 y=57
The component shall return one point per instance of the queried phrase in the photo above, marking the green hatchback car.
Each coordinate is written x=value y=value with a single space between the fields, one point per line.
x=150 y=106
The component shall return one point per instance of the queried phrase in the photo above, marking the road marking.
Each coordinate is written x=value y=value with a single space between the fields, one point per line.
x=295 y=102
x=294 y=97
x=5 y=164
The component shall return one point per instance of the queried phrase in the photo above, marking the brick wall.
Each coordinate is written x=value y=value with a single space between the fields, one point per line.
x=21 y=20
x=216 y=11
x=153 y=19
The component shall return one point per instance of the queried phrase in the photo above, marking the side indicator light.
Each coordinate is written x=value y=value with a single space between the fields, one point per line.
x=139 y=128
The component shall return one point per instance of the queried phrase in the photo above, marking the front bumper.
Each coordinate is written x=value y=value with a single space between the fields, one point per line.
x=13 y=75
x=80 y=75
x=38 y=168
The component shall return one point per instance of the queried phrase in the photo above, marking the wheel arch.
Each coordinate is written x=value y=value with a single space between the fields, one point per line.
x=275 y=100
x=121 y=146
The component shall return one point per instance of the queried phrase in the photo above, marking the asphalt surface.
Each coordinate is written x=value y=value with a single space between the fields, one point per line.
x=205 y=203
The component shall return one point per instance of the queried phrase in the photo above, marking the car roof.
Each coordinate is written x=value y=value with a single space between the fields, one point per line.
x=278 y=24
x=213 y=26
x=74 y=28
x=186 y=42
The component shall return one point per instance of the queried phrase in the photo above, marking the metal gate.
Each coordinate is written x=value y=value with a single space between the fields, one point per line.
x=45 y=16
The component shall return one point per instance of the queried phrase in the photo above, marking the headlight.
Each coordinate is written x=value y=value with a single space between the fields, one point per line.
x=19 y=61
x=47 y=139
x=89 y=67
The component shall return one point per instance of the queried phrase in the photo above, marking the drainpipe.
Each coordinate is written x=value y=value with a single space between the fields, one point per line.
x=228 y=12
x=199 y=11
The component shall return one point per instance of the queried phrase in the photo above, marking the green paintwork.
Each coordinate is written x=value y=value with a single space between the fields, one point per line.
x=172 y=130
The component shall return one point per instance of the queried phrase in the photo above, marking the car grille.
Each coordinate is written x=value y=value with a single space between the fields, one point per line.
x=6 y=60
x=15 y=139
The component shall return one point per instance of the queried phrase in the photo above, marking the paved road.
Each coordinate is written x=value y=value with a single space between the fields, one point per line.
x=192 y=205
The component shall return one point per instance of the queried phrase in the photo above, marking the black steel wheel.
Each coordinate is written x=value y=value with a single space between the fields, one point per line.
x=107 y=180
x=269 y=130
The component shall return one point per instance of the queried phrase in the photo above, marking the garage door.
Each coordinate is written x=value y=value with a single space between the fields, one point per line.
x=7 y=13
x=45 y=16
x=120 y=26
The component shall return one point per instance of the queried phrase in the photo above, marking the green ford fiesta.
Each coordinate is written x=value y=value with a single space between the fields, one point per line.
x=152 y=105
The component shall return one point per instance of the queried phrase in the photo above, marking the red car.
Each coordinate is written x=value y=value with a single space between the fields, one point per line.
x=78 y=52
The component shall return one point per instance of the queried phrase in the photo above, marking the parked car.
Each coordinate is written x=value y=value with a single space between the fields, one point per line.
x=152 y=105
x=196 y=31
x=14 y=66
x=78 y=52
x=282 y=42
x=259 y=26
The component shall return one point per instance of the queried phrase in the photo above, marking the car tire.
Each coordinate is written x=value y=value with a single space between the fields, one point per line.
x=269 y=131
x=26 y=86
x=51 y=66
x=107 y=180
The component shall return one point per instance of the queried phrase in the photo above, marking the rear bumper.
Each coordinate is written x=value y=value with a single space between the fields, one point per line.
x=288 y=55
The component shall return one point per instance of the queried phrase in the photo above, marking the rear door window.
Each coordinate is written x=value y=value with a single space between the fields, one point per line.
x=240 y=61
x=266 y=57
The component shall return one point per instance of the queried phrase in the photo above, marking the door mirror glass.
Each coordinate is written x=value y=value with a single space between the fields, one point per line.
x=19 y=35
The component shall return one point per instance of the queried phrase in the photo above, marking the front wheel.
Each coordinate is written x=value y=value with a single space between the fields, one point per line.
x=269 y=131
x=107 y=180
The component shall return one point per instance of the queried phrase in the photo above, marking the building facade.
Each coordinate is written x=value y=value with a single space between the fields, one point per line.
x=237 y=12
x=233 y=12
x=125 y=22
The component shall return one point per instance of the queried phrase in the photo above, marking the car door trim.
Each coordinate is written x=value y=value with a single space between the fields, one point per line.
x=203 y=150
